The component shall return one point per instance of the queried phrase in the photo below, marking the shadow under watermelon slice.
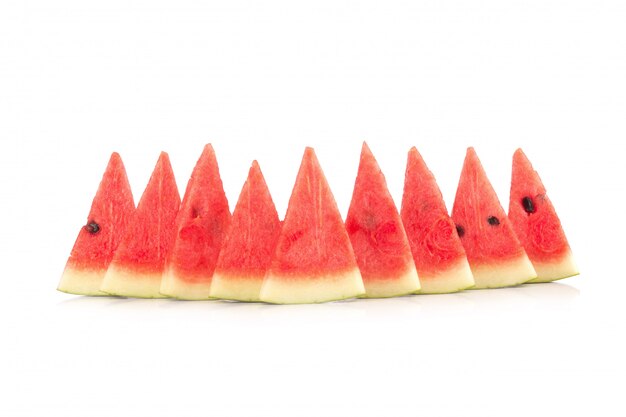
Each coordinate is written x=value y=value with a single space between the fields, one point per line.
x=137 y=266
x=249 y=245
x=111 y=212
x=537 y=225
x=314 y=261
x=495 y=255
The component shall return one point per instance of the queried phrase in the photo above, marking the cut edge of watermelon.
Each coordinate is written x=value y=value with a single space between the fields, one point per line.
x=457 y=277
x=553 y=271
x=401 y=284
x=507 y=273
x=279 y=289
x=81 y=281
x=174 y=286
x=128 y=283
x=236 y=288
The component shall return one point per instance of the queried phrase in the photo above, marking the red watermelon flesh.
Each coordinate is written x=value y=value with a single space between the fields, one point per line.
x=314 y=261
x=437 y=250
x=250 y=243
x=110 y=214
x=137 y=266
x=202 y=223
x=378 y=238
x=537 y=225
x=495 y=255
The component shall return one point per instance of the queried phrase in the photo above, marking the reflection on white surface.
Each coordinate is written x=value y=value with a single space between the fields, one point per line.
x=547 y=295
x=551 y=290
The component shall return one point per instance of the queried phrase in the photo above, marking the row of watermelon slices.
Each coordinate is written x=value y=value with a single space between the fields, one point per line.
x=198 y=250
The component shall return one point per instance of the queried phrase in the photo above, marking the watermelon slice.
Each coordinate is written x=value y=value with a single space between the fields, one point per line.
x=380 y=244
x=537 y=225
x=437 y=250
x=110 y=214
x=137 y=265
x=495 y=255
x=202 y=223
x=314 y=261
x=250 y=243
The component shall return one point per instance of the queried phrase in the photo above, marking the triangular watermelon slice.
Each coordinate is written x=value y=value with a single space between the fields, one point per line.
x=202 y=223
x=537 y=225
x=314 y=261
x=250 y=243
x=378 y=238
x=495 y=255
x=137 y=266
x=111 y=211
x=437 y=250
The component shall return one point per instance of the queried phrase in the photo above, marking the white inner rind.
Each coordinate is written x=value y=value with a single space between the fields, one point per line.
x=128 y=283
x=406 y=283
x=456 y=278
x=236 y=287
x=280 y=289
x=173 y=285
x=82 y=281
x=505 y=274
x=564 y=268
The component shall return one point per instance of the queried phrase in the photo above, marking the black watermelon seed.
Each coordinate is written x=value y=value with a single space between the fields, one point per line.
x=529 y=205
x=92 y=227
x=493 y=220
x=460 y=230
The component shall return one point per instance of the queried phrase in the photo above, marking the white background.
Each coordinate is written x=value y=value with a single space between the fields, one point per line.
x=262 y=80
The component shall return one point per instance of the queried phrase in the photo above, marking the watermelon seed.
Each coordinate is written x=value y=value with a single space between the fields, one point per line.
x=92 y=227
x=460 y=230
x=493 y=220
x=528 y=204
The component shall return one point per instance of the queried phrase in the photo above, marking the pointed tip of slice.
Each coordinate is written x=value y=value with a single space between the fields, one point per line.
x=115 y=157
x=366 y=153
x=255 y=177
x=164 y=157
x=414 y=157
x=208 y=153
x=471 y=155
x=115 y=163
x=255 y=171
x=164 y=164
x=521 y=161
x=472 y=163
x=207 y=161
x=309 y=164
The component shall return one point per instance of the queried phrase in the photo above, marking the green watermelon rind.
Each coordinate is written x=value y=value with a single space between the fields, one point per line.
x=520 y=268
x=279 y=289
x=123 y=282
x=396 y=287
x=82 y=282
x=174 y=286
x=452 y=278
x=566 y=263
x=224 y=287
